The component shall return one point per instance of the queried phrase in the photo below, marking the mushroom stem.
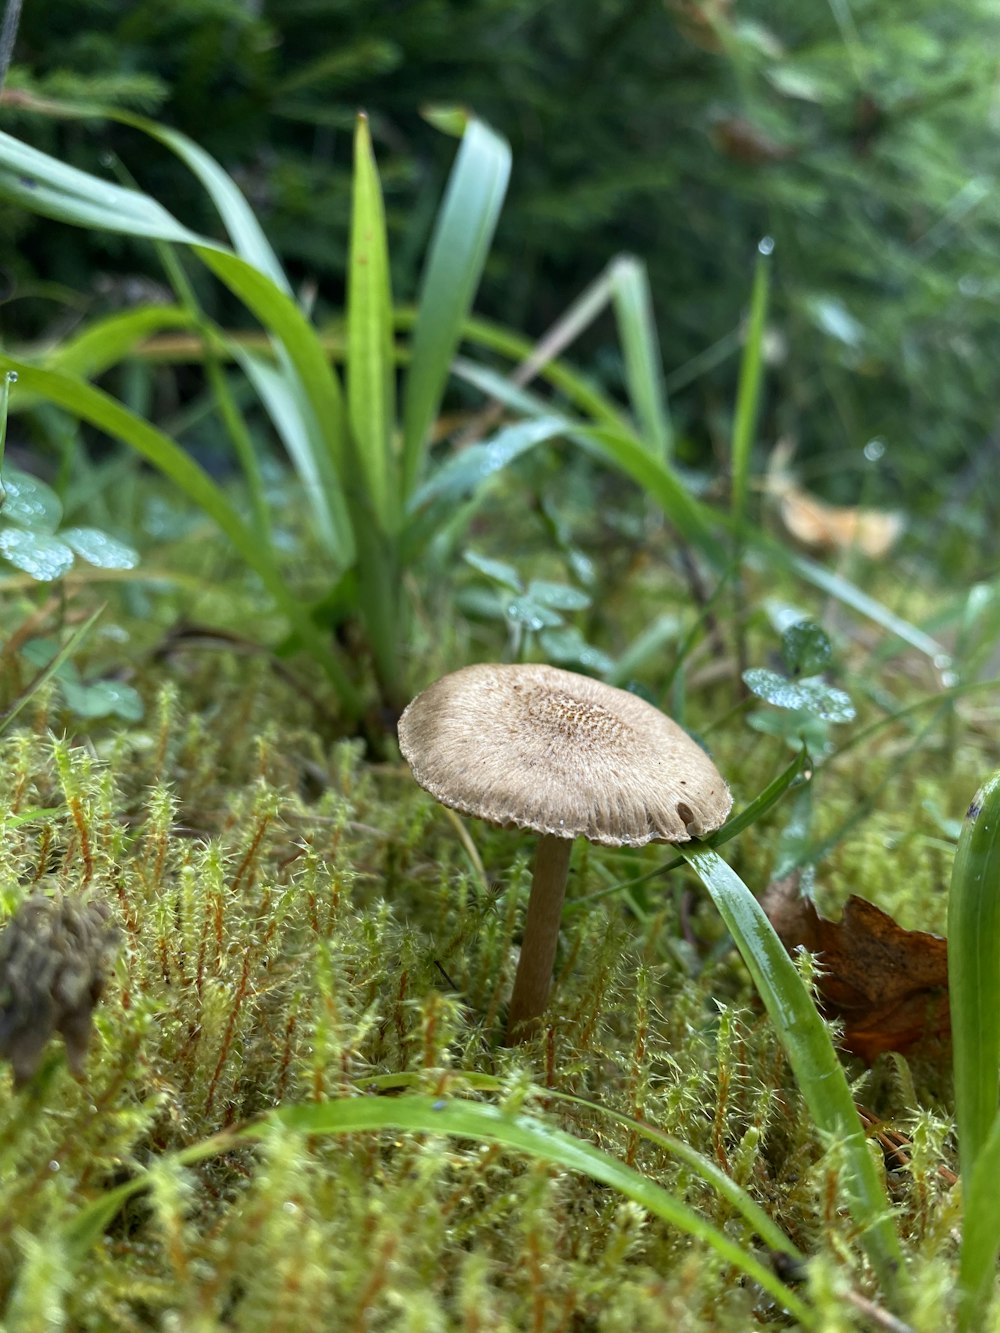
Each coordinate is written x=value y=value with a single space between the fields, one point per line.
x=540 y=936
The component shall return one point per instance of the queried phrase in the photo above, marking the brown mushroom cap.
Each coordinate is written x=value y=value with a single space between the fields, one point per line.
x=560 y=753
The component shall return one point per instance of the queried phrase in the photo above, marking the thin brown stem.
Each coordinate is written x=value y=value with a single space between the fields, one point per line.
x=541 y=933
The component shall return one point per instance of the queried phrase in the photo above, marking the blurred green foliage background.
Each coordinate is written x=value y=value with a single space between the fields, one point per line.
x=860 y=136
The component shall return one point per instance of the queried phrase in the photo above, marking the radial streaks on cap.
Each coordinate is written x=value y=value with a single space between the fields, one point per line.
x=560 y=753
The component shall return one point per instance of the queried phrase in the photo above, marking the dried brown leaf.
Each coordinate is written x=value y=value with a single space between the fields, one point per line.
x=889 y=986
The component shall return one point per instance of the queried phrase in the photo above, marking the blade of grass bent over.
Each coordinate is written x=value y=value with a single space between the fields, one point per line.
x=45 y=185
x=750 y=814
x=810 y=1053
x=471 y=1120
x=724 y=1185
x=244 y=230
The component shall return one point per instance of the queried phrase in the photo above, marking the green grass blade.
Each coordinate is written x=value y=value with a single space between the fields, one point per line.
x=974 y=972
x=757 y=809
x=102 y=411
x=641 y=351
x=531 y=1136
x=461 y=240
x=748 y=393
x=724 y=1185
x=662 y=484
x=764 y=800
x=289 y=414
x=50 y=669
x=244 y=230
x=465 y=1119
x=371 y=368
x=43 y=184
x=980 y=1231
x=304 y=353
x=105 y=342
x=809 y=1050
x=242 y=227
x=624 y=450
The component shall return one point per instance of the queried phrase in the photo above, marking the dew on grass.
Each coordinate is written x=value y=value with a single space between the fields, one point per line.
x=875 y=449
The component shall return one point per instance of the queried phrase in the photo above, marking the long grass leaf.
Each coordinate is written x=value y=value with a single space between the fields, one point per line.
x=314 y=467
x=748 y=393
x=43 y=184
x=641 y=351
x=724 y=1185
x=459 y=245
x=242 y=227
x=464 y=1119
x=980 y=1231
x=46 y=185
x=371 y=370
x=810 y=1053
x=244 y=231
x=50 y=669
x=105 y=342
x=624 y=450
x=974 y=972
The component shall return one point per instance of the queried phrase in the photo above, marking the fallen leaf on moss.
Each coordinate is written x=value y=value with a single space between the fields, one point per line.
x=828 y=527
x=889 y=986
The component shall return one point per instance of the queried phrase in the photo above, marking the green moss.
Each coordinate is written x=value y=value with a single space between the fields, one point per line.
x=297 y=920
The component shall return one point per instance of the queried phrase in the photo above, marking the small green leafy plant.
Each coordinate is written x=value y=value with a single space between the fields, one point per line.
x=532 y=611
x=808 y=703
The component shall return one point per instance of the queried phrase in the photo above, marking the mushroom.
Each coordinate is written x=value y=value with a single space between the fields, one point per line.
x=538 y=748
